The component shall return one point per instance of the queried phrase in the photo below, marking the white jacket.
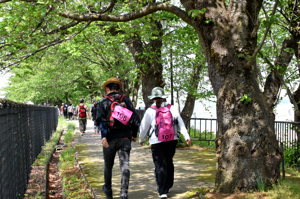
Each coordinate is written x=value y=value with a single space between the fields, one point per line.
x=149 y=120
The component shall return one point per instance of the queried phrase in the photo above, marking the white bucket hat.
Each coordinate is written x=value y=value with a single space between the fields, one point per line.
x=157 y=92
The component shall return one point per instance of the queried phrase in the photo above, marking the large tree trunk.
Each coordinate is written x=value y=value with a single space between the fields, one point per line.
x=150 y=66
x=296 y=96
x=296 y=93
x=189 y=105
x=275 y=78
x=245 y=142
x=67 y=98
x=294 y=11
x=136 y=87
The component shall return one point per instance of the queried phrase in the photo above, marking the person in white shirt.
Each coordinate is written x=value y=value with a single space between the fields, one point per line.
x=162 y=152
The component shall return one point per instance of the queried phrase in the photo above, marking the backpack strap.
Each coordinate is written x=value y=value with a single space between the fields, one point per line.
x=121 y=97
x=150 y=128
x=111 y=98
x=153 y=107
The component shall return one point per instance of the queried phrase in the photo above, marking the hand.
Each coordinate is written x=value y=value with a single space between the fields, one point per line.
x=134 y=139
x=188 y=142
x=142 y=143
x=104 y=142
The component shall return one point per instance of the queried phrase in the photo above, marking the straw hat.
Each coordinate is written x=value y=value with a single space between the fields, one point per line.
x=112 y=80
x=157 y=92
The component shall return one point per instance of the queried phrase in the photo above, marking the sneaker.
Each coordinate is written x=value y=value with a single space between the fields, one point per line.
x=108 y=194
x=81 y=134
x=164 y=196
x=123 y=197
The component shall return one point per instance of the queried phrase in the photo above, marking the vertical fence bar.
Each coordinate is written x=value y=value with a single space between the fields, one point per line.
x=283 y=171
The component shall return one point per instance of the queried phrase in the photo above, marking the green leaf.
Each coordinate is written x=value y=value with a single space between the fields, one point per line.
x=246 y=99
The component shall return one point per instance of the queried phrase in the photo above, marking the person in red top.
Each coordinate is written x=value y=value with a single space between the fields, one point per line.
x=82 y=112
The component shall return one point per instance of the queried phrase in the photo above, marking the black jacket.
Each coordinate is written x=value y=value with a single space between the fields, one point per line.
x=102 y=116
x=94 y=111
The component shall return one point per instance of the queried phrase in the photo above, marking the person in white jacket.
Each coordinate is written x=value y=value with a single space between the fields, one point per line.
x=162 y=152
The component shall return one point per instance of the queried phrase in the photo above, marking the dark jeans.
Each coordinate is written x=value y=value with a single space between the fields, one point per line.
x=162 y=154
x=70 y=115
x=123 y=147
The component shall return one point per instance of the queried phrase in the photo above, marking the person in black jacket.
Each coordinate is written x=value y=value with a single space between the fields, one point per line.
x=94 y=114
x=116 y=133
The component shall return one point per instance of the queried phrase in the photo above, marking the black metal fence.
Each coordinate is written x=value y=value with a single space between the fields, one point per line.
x=204 y=129
x=24 y=129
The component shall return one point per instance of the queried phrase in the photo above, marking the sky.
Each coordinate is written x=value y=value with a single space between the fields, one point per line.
x=283 y=111
x=3 y=83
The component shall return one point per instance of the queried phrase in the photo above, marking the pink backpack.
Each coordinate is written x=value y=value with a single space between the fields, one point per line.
x=164 y=124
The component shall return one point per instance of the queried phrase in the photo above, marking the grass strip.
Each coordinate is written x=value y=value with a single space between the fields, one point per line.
x=74 y=186
x=288 y=188
x=35 y=188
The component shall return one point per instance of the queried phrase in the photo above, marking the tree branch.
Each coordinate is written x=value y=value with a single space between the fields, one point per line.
x=271 y=35
x=150 y=8
x=109 y=7
x=250 y=62
x=53 y=43
x=292 y=99
x=65 y=27
x=73 y=81
x=290 y=95
x=43 y=19
x=5 y=1
x=90 y=60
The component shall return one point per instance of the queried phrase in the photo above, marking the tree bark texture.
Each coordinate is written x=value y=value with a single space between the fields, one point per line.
x=189 y=105
x=273 y=82
x=246 y=144
x=150 y=65
x=294 y=10
x=136 y=86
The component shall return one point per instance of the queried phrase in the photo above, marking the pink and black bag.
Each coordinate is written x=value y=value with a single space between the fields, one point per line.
x=164 y=124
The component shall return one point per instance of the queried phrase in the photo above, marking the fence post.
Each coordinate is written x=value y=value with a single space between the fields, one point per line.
x=283 y=172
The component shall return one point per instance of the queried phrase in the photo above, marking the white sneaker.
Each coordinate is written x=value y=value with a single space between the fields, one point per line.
x=164 y=196
x=81 y=134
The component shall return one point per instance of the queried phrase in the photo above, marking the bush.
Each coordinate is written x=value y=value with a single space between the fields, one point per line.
x=290 y=154
x=195 y=134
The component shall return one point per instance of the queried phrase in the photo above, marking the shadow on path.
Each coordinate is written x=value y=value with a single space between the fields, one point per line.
x=142 y=182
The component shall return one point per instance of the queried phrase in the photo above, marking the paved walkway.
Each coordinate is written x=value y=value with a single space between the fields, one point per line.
x=142 y=181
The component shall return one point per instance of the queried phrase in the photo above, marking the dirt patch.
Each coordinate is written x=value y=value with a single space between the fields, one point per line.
x=54 y=180
x=36 y=182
